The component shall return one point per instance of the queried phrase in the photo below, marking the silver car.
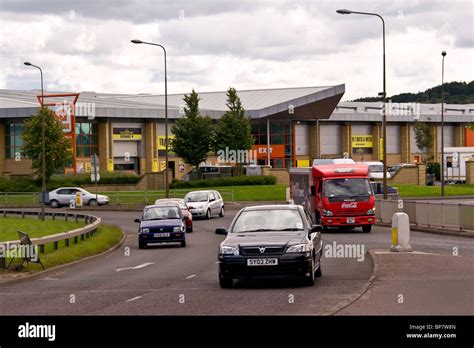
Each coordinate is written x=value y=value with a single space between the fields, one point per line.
x=64 y=195
x=205 y=203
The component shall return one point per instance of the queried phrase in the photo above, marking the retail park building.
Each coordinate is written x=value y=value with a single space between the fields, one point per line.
x=127 y=131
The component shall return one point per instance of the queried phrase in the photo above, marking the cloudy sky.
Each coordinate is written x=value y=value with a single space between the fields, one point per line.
x=85 y=45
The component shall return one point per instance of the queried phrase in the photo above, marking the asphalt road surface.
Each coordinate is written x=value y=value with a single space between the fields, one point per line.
x=168 y=279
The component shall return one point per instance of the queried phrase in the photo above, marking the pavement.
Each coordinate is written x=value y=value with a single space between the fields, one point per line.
x=167 y=280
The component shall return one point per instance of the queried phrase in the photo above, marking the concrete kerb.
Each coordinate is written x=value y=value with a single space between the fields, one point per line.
x=30 y=276
x=366 y=286
x=432 y=230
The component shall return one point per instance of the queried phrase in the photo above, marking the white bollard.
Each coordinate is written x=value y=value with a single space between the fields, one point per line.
x=400 y=233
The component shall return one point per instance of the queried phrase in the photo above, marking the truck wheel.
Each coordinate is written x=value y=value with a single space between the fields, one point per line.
x=225 y=282
x=366 y=228
x=141 y=245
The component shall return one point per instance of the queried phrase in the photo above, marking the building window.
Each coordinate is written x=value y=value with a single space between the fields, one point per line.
x=280 y=134
x=14 y=140
x=87 y=139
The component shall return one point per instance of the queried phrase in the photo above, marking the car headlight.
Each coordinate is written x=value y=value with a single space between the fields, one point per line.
x=144 y=230
x=371 y=211
x=228 y=250
x=327 y=212
x=177 y=229
x=299 y=248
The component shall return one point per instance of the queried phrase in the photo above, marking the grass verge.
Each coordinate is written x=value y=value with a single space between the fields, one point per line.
x=430 y=191
x=106 y=237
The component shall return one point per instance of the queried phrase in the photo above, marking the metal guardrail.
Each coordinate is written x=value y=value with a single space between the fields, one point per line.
x=459 y=216
x=116 y=197
x=92 y=223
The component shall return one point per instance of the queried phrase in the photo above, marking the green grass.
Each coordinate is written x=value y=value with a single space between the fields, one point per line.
x=34 y=227
x=427 y=191
x=236 y=193
x=105 y=237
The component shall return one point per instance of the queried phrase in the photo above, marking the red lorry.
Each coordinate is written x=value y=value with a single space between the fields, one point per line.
x=339 y=195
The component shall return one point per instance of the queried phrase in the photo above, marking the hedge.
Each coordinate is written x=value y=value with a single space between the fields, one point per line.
x=30 y=184
x=218 y=182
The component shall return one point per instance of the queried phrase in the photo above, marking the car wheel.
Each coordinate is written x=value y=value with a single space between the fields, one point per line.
x=208 y=214
x=366 y=228
x=93 y=203
x=222 y=213
x=225 y=282
x=183 y=244
x=141 y=245
x=54 y=204
x=189 y=229
x=319 y=271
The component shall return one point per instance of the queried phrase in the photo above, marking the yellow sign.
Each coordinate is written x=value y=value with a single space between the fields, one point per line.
x=162 y=165
x=381 y=149
x=302 y=163
x=127 y=134
x=162 y=143
x=88 y=167
x=155 y=165
x=110 y=165
x=362 y=141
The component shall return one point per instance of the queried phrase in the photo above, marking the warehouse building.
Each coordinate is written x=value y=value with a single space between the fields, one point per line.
x=127 y=131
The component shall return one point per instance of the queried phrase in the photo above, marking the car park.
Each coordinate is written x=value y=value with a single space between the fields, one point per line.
x=64 y=195
x=184 y=209
x=270 y=241
x=163 y=223
x=205 y=203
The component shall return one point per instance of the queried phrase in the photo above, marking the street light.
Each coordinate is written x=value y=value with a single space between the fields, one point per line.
x=443 y=53
x=166 y=113
x=384 y=96
x=43 y=152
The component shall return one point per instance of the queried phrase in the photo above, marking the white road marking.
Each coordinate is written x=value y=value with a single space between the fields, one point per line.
x=136 y=267
x=191 y=276
x=388 y=252
x=133 y=299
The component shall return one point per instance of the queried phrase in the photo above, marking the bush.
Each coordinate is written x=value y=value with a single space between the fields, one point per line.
x=29 y=184
x=434 y=168
x=218 y=182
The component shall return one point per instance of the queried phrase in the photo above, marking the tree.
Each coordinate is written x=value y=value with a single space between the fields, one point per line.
x=233 y=130
x=423 y=138
x=58 y=148
x=192 y=133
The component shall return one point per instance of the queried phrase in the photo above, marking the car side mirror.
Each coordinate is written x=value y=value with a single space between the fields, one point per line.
x=222 y=231
x=316 y=228
x=137 y=221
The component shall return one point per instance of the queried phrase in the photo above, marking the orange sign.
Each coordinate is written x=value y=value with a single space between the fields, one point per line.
x=276 y=151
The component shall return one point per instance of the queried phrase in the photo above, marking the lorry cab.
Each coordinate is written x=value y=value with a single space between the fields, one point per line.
x=340 y=195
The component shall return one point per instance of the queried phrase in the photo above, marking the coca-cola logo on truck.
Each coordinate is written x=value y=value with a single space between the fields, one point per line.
x=349 y=205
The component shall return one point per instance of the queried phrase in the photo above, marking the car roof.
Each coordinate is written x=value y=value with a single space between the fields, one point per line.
x=271 y=207
x=205 y=191
x=69 y=187
x=170 y=200
x=161 y=205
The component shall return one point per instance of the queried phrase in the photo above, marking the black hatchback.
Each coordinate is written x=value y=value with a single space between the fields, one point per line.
x=270 y=241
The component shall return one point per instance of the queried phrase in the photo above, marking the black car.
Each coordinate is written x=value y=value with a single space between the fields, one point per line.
x=161 y=224
x=274 y=241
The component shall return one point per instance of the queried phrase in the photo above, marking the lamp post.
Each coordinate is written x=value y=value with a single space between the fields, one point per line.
x=43 y=151
x=384 y=120
x=166 y=113
x=443 y=53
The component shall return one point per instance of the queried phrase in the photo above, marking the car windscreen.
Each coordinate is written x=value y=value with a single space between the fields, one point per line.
x=268 y=220
x=161 y=213
x=196 y=197
x=346 y=187
x=375 y=168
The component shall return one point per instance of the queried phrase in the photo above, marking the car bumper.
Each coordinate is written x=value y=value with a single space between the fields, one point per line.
x=288 y=267
x=341 y=221
x=198 y=212
x=173 y=238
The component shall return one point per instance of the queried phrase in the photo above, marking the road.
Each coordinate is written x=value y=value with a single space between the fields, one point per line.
x=168 y=279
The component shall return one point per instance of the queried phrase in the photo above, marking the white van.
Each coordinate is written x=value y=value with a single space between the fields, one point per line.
x=376 y=170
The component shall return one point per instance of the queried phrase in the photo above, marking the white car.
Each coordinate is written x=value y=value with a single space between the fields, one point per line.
x=64 y=195
x=376 y=170
x=205 y=203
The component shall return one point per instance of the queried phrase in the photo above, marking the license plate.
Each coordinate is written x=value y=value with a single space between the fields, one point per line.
x=262 y=262
x=350 y=220
x=159 y=235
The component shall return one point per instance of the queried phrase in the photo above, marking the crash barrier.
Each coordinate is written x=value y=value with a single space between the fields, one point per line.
x=92 y=223
x=25 y=199
x=457 y=216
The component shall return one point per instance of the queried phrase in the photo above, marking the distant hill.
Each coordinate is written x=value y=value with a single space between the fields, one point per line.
x=454 y=93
